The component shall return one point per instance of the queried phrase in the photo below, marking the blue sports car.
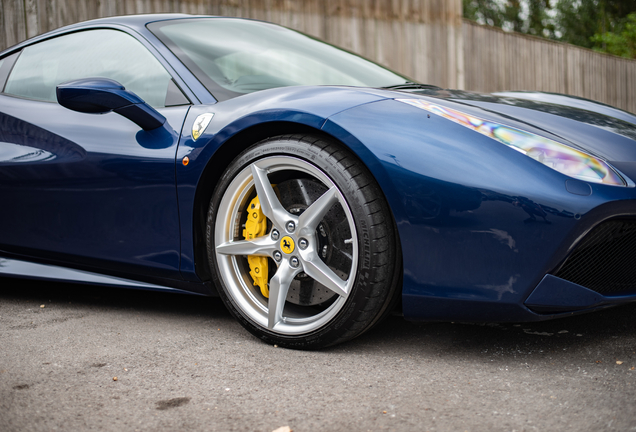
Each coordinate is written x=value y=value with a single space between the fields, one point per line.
x=309 y=188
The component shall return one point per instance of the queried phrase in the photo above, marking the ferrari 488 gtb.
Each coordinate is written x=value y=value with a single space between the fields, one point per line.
x=308 y=187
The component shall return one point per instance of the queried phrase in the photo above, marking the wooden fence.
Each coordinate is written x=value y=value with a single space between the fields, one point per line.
x=424 y=39
x=498 y=60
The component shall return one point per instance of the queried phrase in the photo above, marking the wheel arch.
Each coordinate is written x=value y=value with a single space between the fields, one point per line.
x=234 y=146
x=215 y=167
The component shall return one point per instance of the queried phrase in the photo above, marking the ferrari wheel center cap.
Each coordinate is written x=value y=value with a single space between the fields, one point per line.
x=287 y=244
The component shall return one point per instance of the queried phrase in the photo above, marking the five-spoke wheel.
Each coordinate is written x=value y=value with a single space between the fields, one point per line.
x=291 y=241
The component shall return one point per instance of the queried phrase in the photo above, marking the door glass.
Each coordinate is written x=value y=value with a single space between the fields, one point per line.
x=90 y=54
x=233 y=57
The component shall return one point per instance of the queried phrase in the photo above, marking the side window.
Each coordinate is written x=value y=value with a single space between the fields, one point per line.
x=93 y=53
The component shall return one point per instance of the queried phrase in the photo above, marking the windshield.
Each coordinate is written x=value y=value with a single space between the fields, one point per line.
x=233 y=56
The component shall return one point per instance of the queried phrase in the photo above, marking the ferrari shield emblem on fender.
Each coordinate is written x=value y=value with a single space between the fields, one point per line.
x=201 y=124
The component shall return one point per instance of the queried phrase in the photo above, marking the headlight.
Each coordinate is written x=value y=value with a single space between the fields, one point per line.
x=560 y=157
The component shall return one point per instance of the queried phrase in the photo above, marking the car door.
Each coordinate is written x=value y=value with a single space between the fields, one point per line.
x=89 y=190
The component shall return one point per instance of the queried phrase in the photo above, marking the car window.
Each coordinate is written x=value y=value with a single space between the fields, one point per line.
x=233 y=57
x=89 y=54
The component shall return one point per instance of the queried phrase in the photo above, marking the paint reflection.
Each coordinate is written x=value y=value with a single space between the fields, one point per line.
x=22 y=142
x=434 y=202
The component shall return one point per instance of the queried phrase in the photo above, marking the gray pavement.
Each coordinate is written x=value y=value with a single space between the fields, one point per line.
x=182 y=364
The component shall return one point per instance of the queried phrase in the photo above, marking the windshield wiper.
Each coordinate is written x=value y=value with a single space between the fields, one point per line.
x=412 y=85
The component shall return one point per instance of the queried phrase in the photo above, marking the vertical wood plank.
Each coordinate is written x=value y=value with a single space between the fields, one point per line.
x=14 y=22
x=31 y=21
x=496 y=60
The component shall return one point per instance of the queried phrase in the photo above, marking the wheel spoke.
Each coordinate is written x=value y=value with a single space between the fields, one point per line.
x=270 y=205
x=309 y=220
x=261 y=246
x=321 y=273
x=278 y=288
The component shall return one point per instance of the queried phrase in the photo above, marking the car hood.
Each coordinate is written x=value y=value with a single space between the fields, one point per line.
x=593 y=127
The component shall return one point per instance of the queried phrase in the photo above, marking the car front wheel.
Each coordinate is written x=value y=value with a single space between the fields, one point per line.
x=302 y=243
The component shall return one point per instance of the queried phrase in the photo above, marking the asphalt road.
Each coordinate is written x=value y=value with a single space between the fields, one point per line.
x=182 y=364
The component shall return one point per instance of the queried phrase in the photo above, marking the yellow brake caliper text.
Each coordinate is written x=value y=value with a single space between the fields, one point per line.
x=256 y=226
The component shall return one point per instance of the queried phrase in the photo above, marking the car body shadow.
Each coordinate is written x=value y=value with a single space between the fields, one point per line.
x=605 y=337
x=611 y=331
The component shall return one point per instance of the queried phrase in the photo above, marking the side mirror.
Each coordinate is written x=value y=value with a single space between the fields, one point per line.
x=103 y=95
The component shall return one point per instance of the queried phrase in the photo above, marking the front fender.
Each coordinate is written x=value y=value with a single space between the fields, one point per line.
x=480 y=224
x=307 y=107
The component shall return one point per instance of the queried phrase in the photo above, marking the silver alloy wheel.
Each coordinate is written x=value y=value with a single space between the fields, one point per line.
x=231 y=250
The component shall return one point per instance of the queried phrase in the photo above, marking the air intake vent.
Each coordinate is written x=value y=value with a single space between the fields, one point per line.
x=605 y=260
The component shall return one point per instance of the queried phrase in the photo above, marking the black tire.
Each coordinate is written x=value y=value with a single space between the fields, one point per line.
x=314 y=314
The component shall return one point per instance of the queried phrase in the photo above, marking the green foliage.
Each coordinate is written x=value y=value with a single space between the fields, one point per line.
x=508 y=14
x=587 y=23
x=539 y=22
x=621 y=42
x=512 y=15
x=604 y=25
x=484 y=11
x=577 y=21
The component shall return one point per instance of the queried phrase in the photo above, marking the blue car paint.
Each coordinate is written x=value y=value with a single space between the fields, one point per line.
x=108 y=200
x=556 y=99
x=102 y=95
x=418 y=165
x=483 y=262
x=554 y=293
x=480 y=258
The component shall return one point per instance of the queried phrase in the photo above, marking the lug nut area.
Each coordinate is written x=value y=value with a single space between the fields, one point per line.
x=278 y=256
x=291 y=226
x=303 y=243
x=275 y=234
x=294 y=262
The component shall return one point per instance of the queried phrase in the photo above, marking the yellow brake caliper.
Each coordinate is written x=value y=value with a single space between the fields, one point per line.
x=256 y=226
